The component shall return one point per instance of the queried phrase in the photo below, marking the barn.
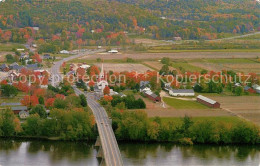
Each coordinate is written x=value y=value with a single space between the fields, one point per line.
x=18 y=109
x=181 y=92
x=152 y=96
x=208 y=102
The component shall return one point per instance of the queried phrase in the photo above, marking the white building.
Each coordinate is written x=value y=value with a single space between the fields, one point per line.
x=181 y=92
x=64 y=52
x=102 y=83
x=113 y=51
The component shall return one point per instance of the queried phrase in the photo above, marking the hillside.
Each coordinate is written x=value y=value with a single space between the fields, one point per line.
x=104 y=22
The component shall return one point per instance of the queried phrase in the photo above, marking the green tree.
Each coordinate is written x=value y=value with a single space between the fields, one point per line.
x=9 y=90
x=40 y=110
x=9 y=58
x=238 y=91
x=41 y=100
x=83 y=100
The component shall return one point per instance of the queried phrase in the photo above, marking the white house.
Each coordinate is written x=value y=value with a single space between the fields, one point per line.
x=181 y=92
x=113 y=51
x=23 y=114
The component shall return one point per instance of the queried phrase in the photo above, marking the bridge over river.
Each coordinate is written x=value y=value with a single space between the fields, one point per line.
x=108 y=147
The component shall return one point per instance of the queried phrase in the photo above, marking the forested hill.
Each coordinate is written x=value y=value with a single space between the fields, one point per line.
x=92 y=21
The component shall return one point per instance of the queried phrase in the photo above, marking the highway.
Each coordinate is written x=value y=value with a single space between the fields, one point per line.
x=109 y=144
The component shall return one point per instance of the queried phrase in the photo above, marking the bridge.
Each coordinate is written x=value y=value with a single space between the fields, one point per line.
x=108 y=148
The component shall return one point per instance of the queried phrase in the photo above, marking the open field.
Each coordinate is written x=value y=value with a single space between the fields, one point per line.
x=245 y=106
x=156 y=65
x=182 y=104
x=156 y=109
x=181 y=55
x=10 y=46
x=118 y=67
x=239 y=65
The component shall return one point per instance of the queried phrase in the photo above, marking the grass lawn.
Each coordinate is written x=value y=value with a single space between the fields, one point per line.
x=186 y=66
x=183 y=104
x=218 y=119
x=10 y=46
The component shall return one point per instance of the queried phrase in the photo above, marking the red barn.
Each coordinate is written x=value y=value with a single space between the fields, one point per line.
x=208 y=102
x=152 y=96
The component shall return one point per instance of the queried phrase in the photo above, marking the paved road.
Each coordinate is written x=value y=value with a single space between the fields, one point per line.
x=55 y=70
x=108 y=141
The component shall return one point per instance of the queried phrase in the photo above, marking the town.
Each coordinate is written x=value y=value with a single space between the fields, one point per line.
x=129 y=82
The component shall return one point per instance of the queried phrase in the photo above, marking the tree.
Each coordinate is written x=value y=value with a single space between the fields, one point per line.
x=30 y=100
x=164 y=70
x=41 y=100
x=9 y=58
x=238 y=91
x=9 y=90
x=83 y=100
x=106 y=90
x=7 y=127
x=165 y=61
x=39 y=109
x=60 y=104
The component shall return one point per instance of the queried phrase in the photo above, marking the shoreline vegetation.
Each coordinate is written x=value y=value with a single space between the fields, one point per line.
x=129 y=126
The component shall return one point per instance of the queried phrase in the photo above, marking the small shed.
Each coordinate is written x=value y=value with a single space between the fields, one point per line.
x=18 y=109
x=181 y=92
x=208 y=102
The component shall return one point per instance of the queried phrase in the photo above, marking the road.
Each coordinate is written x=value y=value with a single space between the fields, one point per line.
x=55 y=70
x=108 y=140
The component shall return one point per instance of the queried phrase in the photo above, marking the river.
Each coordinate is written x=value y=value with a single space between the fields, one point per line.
x=57 y=153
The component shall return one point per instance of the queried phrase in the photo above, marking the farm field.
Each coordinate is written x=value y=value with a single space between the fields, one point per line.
x=183 y=104
x=180 y=55
x=238 y=65
x=119 y=67
x=10 y=46
x=156 y=65
x=245 y=106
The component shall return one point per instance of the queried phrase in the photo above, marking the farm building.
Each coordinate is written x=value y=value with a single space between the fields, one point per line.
x=152 y=96
x=18 y=109
x=181 y=92
x=208 y=102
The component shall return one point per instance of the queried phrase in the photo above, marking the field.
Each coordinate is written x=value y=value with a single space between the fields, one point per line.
x=180 y=55
x=183 y=104
x=118 y=67
x=245 y=106
x=239 y=65
x=156 y=65
x=10 y=46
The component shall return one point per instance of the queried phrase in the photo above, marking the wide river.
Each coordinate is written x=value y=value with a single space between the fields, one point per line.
x=51 y=153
